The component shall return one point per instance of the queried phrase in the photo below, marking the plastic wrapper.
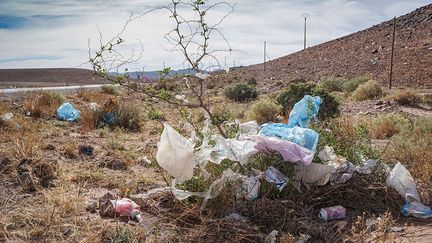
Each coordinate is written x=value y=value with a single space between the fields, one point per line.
x=417 y=210
x=66 y=112
x=305 y=137
x=304 y=111
x=273 y=175
x=367 y=167
x=342 y=173
x=313 y=174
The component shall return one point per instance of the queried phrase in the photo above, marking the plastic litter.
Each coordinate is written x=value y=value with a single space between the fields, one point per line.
x=313 y=174
x=290 y=151
x=175 y=154
x=236 y=217
x=94 y=106
x=328 y=156
x=202 y=75
x=6 y=117
x=181 y=98
x=332 y=213
x=342 y=173
x=109 y=117
x=249 y=128
x=305 y=137
x=401 y=180
x=127 y=207
x=304 y=111
x=271 y=237
x=416 y=209
x=367 y=167
x=66 y=112
x=273 y=175
x=250 y=188
x=86 y=149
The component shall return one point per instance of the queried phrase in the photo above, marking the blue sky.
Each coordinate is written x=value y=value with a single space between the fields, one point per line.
x=55 y=33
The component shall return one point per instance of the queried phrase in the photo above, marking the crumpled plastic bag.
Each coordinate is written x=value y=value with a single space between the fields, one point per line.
x=313 y=174
x=417 y=210
x=273 y=175
x=367 y=167
x=290 y=151
x=342 y=173
x=249 y=128
x=175 y=154
x=401 y=180
x=329 y=157
x=304 y=111
x=66 y=112
x=305 y=137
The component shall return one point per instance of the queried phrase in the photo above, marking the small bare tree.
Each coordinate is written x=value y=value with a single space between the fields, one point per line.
x=191 y=35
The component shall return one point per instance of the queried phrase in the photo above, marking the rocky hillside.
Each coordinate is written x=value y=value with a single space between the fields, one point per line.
x=364 y=53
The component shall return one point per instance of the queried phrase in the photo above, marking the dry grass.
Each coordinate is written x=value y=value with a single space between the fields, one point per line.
x=368 y=91
x=90 y=119
x=386 y=126
x=407 y=97
x=43 y=103
x=265 y=111
x=110 y=89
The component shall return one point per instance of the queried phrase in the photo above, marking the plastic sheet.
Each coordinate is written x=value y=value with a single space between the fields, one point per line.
x=417 y=210
x=175 y=154
x=304 y=111
x=273 y=175
x=290 y=151
x=66 y=112
x=305 y=137
x=313 y=174
x=401 y=180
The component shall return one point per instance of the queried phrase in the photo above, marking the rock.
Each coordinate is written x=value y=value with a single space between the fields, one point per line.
x=106 y=208
x=5 y=164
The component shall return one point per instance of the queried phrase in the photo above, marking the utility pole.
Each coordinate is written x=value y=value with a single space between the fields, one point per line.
x=265 y=47
x=392 y=53
x=305 y=16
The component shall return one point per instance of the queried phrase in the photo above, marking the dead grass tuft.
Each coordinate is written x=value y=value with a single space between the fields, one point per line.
x=408 y=98
x=90 y=118
x=43 y=103
x=265 y=111
x=368 y=91
x=110 y=89
x=386 y=126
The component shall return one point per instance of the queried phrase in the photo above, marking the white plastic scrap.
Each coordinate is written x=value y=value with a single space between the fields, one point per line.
x=401 y=180
x=175 y=154
x=94 y=106
x=328 y=156
x=249 y=128
x=202 y=75
x=313 y=174
x=273 y=175
x=236 y=217
x=250 y=188
x=271 y=238
x=6 y=117
x=367 y=167
x=181 y=98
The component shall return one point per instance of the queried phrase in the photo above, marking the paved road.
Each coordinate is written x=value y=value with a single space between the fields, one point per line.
x=59 y=88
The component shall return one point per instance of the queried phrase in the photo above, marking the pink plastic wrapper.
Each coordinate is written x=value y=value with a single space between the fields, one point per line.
x=125 y=206
x=290 y=152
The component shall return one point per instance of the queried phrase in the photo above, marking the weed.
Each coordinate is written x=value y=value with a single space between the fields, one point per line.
x=265 y=111
x=90 y=118
x=386 y=126
x=407 y=97
x=351 y=85
x=110 y=89
x=296 y=91
x=128 y=116
x=241 y=92
x=43 y=103
x=154 y=114
x=368 y=91
x=332 y=84
x=123 y=234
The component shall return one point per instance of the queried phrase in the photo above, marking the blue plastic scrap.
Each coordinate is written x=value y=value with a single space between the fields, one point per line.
x=66 y=112
x=109 y=117
x=305 y=137
x=304 y=111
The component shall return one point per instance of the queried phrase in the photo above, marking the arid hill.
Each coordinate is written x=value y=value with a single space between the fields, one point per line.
x=364 y=53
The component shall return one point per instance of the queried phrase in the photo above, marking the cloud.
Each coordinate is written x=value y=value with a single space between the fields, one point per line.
x=61 y=28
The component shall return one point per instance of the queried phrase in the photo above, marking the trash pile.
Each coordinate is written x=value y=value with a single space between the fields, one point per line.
x=335 y=187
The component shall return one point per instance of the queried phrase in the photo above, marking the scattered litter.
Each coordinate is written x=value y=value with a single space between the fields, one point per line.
x=249 y=128
x=273 y=175
x=367 y=167
x=332 y=213
x=304 y=110
x=145 y=159
x=250 y=188
x=236 y=217
x=313 y=174
x=371 y=222
x=91 y=205
x=6 y=117
x=94 y=106
x=86 y=149
x=175 y=154
x=417 y=210
x=127 y=207
x=66 y=112
x=342 y=173
x=328 y=156
x=305 y=137
x=401 y=180
x=109 y=117
x=181 y=98
x=396 y=229
x=271 y=237
x=202 y=75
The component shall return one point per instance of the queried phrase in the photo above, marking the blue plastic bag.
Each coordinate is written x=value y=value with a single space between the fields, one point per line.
x=66 y=112
x=109 y=117
x=304 y=111
x=416 y=209
x=305 y=137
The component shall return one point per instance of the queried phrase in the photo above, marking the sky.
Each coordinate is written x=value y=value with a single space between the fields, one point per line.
x=57 y=33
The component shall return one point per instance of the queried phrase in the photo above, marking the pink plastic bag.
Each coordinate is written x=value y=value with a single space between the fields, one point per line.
x=290 y=152
x=127 y=207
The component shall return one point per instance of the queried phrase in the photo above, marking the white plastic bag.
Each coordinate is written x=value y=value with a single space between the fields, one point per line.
x=401 y=180
x=175 y=154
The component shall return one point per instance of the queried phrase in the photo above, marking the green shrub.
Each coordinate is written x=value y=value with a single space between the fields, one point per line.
x=110 y=89
x=368 y=91
x=241 y=92
x=154 y=114
x=332 y=84
x=386 y=126
x=296 y=91
x=407 y=97
x=351 y=85
x=128 y=116
x=265 y=111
